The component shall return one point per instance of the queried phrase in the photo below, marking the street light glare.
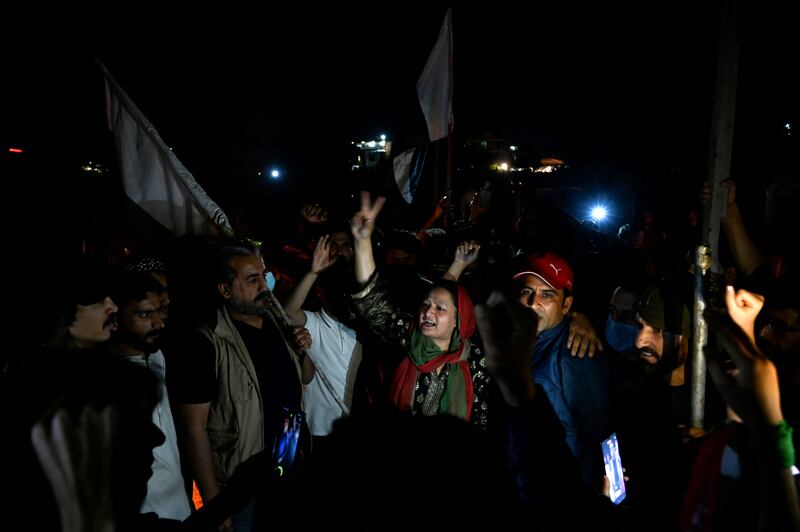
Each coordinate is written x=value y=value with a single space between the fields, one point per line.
x=599 y=213
x=275 y=174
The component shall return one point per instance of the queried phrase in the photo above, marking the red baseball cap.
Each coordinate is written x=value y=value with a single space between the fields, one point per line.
x=550 y=268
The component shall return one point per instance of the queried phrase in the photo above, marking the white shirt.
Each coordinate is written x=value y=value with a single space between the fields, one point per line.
x=166 y=495
x=335 y=353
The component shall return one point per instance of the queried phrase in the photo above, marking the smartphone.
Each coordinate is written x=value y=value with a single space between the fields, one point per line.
x=285 y=447
x=613 y=467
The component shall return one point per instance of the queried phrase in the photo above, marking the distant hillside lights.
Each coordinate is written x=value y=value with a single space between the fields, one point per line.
x=368 y=153
x=94 y=168
x=547 y=166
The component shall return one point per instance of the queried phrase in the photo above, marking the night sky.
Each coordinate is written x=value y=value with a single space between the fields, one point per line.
x=621 y=90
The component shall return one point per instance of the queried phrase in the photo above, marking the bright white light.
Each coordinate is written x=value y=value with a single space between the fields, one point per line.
x=275 y=174
x=383 y=137
x=512 y=148
x=503 y=167
x=599 y=213
x=787 y=125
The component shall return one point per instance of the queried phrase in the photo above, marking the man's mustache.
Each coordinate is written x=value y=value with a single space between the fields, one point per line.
x=263 y=296
x=648 y=351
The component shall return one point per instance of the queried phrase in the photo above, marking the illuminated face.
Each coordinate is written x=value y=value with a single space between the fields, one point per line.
x=547 y=302
x=649 y=342
x=437 y=317
x=248 y=293
x=93 y=323
x=141 y=323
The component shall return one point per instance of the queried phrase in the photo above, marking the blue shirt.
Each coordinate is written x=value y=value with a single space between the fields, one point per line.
x=578 y=391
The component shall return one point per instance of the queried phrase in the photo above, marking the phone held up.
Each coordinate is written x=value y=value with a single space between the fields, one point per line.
x=285 y=447
x=613 y=467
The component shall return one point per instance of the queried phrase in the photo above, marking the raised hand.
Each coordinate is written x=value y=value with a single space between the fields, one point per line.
x=313 y=213
x=467 y=252
x=508 y=330
x=743 y=307
x=363 y=222
x=750 y=384
x=322 y=255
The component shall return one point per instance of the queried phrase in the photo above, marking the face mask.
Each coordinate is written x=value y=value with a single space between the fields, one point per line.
x=621 y=337
x=270 y=279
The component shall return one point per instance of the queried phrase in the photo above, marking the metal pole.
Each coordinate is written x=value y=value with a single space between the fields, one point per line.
x=719 y=167
x=701 y=264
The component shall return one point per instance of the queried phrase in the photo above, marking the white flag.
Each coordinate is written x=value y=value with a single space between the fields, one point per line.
x=408 y=170
x=434 y=87
x=152 y=176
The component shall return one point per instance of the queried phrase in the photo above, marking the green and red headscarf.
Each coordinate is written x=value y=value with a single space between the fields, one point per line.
x=424 y=356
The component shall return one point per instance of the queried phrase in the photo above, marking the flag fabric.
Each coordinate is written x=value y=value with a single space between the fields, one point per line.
x=152 y=175
x=434 y=87
x=408 y=170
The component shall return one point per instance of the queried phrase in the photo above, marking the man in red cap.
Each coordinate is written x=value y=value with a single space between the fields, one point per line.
x=576 y=387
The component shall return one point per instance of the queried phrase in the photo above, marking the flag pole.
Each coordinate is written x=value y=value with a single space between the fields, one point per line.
x=449 y=176
x=434 y=91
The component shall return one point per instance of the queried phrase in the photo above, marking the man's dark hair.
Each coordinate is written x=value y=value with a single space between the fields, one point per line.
x=80 y=283
x=227 y=251
x=133 y=286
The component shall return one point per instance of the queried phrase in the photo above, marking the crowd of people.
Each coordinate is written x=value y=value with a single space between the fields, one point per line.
x=450 y=377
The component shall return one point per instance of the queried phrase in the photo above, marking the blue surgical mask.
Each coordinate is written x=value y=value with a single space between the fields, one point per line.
x=270 y=279
x=621 y=337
